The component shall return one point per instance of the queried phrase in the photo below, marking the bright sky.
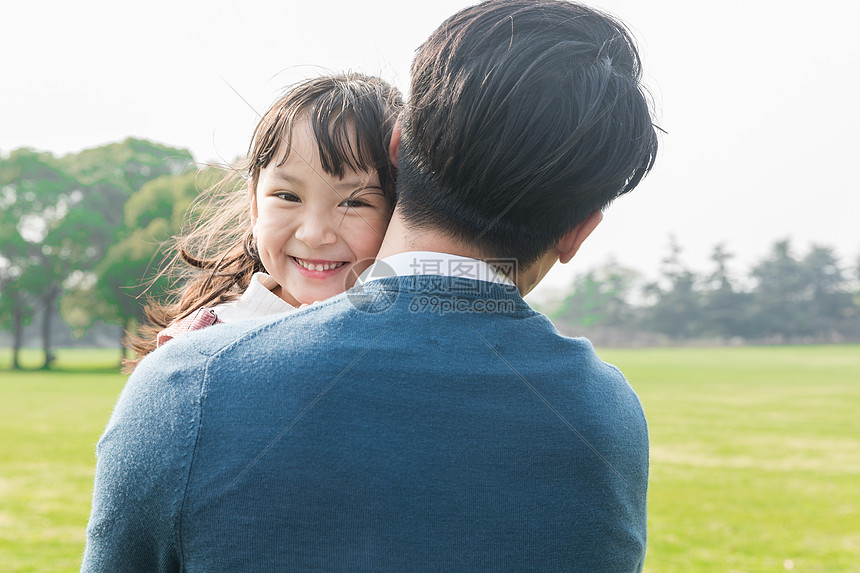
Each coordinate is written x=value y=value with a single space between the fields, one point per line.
x=759 y=99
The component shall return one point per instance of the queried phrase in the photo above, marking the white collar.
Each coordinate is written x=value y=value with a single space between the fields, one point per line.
x=258 y=300
x=437 y=264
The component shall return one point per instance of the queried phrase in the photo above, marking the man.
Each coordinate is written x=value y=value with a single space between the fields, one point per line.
x=428 y=420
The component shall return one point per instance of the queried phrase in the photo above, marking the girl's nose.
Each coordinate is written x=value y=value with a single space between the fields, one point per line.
x=316 y=231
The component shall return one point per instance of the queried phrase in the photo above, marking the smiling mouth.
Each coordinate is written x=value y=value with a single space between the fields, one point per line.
x=318 y=266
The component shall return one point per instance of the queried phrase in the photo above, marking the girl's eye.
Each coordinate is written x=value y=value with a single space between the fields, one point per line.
x=288 y=197
x=354 y=203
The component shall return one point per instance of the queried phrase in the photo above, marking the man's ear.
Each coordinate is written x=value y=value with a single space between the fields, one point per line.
x=394 y=146
x=573 y=239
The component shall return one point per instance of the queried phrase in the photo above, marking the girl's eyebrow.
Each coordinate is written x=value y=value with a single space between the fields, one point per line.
x=355 y=184
x=286 y=177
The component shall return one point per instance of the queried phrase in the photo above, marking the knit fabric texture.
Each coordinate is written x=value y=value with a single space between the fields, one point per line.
x=412 y=424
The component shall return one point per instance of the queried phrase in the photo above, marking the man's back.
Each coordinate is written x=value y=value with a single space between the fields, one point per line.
x=422 y=436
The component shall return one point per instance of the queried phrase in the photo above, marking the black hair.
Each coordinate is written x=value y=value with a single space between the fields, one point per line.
x=524 y=117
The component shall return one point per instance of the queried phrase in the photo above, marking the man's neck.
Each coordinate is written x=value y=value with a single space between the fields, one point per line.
x=400 y=239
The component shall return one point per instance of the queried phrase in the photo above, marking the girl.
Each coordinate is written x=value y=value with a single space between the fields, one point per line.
x=306 y=218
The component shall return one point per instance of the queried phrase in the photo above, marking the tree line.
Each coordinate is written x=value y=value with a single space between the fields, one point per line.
x=80 y=232
x=81 y=235
x=785 y=297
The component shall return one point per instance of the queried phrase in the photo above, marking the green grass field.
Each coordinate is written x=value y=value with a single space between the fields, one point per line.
x=755 y=457
x=49 y=424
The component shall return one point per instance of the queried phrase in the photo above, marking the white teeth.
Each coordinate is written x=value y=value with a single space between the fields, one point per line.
x=319 y=267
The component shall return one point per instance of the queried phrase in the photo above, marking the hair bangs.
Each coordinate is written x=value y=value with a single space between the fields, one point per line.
x=349 y=136
x=339 y=147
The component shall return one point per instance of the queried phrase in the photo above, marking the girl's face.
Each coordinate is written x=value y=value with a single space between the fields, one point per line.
x=316 y=232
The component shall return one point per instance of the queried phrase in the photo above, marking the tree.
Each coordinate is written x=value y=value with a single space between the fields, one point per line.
x=55 y=228
x=677 y=307
x=780 y=299
x=831 y=301
x=600 y=298
x=37 y=196
x=723 y=305
x=808 y=297
x=151 y=217
x=129 y=166
x=15 y=310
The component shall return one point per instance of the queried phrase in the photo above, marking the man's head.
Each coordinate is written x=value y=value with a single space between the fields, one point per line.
x=525 y=117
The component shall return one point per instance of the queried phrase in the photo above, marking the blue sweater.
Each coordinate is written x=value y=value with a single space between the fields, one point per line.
x=416 y=426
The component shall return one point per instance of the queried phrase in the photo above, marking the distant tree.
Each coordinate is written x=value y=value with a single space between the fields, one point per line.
x=782 y=295
x=724 y=306
x=677 y=304
x=167 y=197
x=130 y=166
x=76 y=243
x=856 y=281
x=15 y=311
x=128 y=272
x=37 y=198
x=855 y=293
x=830 y=299
x=114 y=292
x=808 y=297
x=857 y=273
x=600 y=298
x=127 y=164
x=784 y=298
x=61 y=215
